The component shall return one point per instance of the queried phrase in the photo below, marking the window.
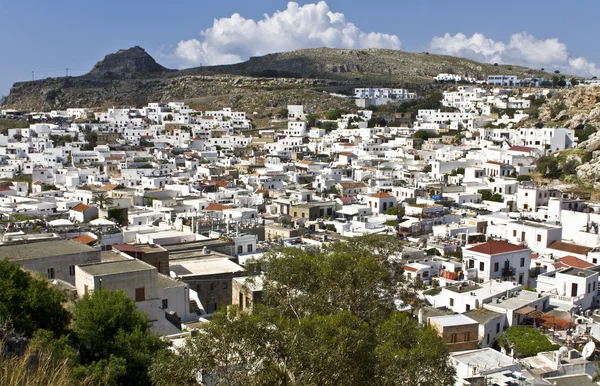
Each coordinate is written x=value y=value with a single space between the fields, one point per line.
x=487 y=339
x=514 y=233
x=589 y=288
x=85 y=289
x=497 y=328
x=50 y=273
x=140 y=294
x=165 y=303
x=467 y=336
x=453 y=338
x=249 y=247
x=240 y=249
x=496 y=266
x=539 y=238
x=481 y=265
x=451 y=302
x=468 y=307
x=71 y=270
x=522 y=262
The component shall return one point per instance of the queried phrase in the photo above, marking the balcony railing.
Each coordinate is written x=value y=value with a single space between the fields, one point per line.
x=506 y=272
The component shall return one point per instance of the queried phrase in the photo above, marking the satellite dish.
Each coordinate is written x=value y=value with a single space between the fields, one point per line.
x=588 y=350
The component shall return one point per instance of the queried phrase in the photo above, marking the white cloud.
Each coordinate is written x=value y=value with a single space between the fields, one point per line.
x=235 y=38
x=522 y=49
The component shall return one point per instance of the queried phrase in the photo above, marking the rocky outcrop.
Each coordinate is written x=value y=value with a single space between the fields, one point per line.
x=132 y=77
x=124 y=64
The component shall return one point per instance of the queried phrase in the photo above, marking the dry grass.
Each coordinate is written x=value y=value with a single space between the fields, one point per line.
x=34 y=368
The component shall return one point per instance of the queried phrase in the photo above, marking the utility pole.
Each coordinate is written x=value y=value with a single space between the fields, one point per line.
x=67 y=71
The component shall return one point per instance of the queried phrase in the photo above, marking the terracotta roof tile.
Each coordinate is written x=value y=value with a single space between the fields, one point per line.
x=568 y=247
x=496 y=248
x=218 y=207
x=85 y=239
x=81 y=208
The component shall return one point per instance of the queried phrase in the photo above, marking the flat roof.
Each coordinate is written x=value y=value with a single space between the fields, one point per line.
x=452 y=320
x=165 y=281
x=204 y=267
x=485 y=358
x=116 y=267
x=482 y=315
x=578 y=272
x=41 y=249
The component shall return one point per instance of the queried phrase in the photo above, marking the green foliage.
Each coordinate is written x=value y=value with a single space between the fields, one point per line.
x=102 y=199
x=114 y=338
x=329 y=319
x=410 y=353
x=528 y=288
x=47 y=187
x=524 y=177
x=487 y=195
x=283 y=113
x=391 y=223
x=27 y=303
x=457 y=171
x=397 y=210
x=426 y=168
x=528 y=341
x=548 y=166
x=333 y=114
x=424 y=135
x=583 y=132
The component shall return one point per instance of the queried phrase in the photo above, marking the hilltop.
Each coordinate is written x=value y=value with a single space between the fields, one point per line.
x=133 y=77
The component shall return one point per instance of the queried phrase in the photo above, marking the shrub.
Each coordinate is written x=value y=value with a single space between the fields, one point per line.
x=528 y=341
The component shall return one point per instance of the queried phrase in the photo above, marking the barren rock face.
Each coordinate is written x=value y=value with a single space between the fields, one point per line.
x=131 y=77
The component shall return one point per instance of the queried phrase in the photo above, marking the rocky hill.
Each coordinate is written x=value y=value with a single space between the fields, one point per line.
x=132 y=77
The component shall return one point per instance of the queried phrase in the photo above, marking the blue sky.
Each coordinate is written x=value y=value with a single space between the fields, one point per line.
x=49 y=36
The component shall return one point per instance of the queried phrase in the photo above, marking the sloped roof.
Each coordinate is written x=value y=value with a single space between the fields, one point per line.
x=496 y=248
x=523 y=149
x=81 y=208
x=568 y=247
x=85 y=239
x=218 y=207
x=572 y=261
x=382 y=195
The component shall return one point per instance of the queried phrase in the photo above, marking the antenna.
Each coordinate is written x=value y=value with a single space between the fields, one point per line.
x=67 y=71
x=588 y=350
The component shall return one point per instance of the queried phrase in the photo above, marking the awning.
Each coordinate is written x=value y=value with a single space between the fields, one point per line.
x=60 y=223
x=529 y=312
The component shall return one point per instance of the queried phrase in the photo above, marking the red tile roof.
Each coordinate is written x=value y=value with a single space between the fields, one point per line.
x=382 y=195
x=409 y=268
x=523 y=149
x=85 y=239
x=496 y=248
x=218 y=207
x=568 y=247
x=81 y=208
x=494 y=163
x=572 y=261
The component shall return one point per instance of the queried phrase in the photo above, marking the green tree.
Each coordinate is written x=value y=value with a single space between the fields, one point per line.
x=329 y=319
x=115 y=342
x=424 y=135
x=102 y=199
x=333 y=114
x=311 y=119
x=570 y=166
x=283 y=113
x=401 y=359
x=426 y=168
x=27 y=303
x=397 y=210
x=547 y=165
x=524 y=177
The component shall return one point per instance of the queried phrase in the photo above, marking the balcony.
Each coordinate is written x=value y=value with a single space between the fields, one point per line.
x=508 y=272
